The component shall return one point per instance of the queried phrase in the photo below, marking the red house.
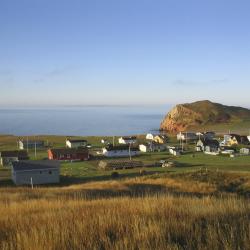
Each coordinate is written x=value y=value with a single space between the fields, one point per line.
x=68 y=154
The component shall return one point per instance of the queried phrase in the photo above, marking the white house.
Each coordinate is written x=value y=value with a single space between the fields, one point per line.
x=174 y=151
x=76 y=143
x=245 y=151
x=150 y=136
x=127 y=140
x=35 y=172
x=120 y=151
x=151 y=147
x=182 y=136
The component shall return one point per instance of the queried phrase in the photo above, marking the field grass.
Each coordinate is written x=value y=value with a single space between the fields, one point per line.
x=177 y=211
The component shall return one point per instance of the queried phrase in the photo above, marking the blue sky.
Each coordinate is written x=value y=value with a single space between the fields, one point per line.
x=124 y=52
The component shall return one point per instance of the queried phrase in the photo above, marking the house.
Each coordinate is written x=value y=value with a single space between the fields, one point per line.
x=150 y=137
x=206 y=135
x=68 y=154
x=29 y=144
x=208 y=145
x=174 y=151
x=120 y=151
x=76 y=143
x=8 y=157
x=183 y=136
x=151 y=147
x=245 y=151
x=127 y=140
x=234 y=139
x=161 y=139
x=35 y=172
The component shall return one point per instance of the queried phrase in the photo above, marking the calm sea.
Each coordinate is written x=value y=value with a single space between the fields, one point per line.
x=81 y=120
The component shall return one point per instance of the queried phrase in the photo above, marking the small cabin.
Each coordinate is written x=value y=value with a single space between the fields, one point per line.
x=68 y=154
x=76 y=143
x=127 y=140
x=8 y=157
x=35 y=172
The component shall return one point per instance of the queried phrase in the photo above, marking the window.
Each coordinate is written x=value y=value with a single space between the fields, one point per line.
x=50 y=172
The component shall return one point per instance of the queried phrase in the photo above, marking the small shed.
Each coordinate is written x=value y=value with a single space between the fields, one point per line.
x=8 y=157
x=245 y=151
x=76 y=143
x=35 y=172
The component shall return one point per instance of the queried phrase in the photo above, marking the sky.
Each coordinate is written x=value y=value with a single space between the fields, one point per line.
x=124 y=52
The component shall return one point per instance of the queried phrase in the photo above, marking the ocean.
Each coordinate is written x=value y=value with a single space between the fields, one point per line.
x=82 y=121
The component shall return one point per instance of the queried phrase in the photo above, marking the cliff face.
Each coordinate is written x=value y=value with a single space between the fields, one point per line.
x=180 y=118
x=183 y=116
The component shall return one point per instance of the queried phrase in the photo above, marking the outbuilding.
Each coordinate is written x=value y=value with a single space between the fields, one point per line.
x=68 y=154
x=35 y=172
x=76 y=143
x=8 y=157
x=127 y=140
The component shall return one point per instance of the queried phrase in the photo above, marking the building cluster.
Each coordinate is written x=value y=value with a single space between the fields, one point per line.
x=26 y=171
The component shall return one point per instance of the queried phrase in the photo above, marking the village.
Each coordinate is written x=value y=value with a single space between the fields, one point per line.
x=37 y=162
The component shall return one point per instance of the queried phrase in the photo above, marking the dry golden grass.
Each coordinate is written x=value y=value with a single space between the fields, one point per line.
x=140 y=213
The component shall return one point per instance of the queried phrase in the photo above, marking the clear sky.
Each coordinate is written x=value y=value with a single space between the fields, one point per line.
x=77 y=52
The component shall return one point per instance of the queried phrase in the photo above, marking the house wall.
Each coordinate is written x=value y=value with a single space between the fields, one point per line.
x=143 y=148
x=68 y=157
x=122 y=141
x=45 y=176
x=75 y=144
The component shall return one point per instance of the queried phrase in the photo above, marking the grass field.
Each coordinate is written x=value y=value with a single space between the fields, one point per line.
x=199 y=210
x=202 y=203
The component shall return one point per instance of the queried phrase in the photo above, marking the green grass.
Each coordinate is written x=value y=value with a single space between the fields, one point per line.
x=77 y=172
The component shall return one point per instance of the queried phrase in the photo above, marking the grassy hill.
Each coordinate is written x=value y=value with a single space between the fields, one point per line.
x=198 y=210
x=203 y=113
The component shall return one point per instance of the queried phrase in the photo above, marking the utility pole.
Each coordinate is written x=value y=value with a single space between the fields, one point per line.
x=31 y=182
x=27 y=144
x=35 y=149
x=113 y=141
x=129 y=150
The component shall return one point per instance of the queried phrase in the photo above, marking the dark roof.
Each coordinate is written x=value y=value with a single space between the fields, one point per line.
x=129 y=137
x=79 y=150
x=35 y=165
x=15 y=153
x=76 y=141
x=212 y=142
x=120 y=147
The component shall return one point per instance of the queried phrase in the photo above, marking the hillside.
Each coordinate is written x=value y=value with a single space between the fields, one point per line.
x=199 y=210
x=184 y=116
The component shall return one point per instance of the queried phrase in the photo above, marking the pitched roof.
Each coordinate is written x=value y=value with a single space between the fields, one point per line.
x=128 y=137
x=80 y=150
x=35 y=165
x=14 y=153
x=210 y=142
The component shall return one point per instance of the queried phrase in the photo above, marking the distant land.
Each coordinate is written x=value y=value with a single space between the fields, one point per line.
x=205 y=114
